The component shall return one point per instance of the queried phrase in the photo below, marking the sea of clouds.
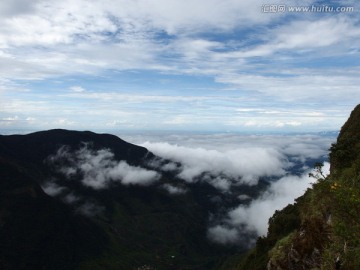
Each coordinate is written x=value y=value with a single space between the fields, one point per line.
x=222 y=160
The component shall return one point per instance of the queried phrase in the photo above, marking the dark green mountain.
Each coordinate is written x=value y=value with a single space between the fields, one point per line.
x=322 y=229
x=81 y=226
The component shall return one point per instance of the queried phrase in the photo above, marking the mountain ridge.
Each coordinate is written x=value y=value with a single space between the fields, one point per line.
x=74 y=225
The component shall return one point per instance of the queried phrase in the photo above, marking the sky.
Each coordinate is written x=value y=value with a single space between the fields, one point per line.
x=199 y=65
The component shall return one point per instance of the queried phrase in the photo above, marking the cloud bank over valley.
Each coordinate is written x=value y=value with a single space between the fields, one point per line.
x=245 y=166
x=227 y=161
x=251 y=176
x=98 y=168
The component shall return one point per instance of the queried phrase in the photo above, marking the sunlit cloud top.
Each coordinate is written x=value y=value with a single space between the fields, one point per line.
x=214 y=65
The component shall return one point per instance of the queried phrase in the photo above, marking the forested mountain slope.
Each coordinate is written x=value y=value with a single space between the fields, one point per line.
x=80 y=200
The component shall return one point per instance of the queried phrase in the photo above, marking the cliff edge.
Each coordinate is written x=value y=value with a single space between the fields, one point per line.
x=321 y=230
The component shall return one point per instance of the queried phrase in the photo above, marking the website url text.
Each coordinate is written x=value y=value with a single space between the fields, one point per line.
x=320 y=9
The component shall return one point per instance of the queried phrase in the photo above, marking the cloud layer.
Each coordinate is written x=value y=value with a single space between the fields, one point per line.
x=221 y=158
x=232 y=159
x=98 y=169
x=254 y=217
x=231 y=163
x=244 y=165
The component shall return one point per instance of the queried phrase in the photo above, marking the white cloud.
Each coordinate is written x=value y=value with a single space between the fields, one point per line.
x=77 y=89
x=15 y=118
x=71 y=198
x=122 y=35
x=9 y=8
x=266 y=123
x=318 y=33
x=254 y=217
x=52 y=189
x=227 y=160
x=223 y=235
x=302 y=85
x=64 y=122
x=111 y=109
x=67 y=21
x=209 y=45
x=220 y=183
x=133 y=175
x=98 y=169
x=299 y=145
x=177 y=17
x=245 y=165
x=216 y=155
x=304 y=36
x=174 y=189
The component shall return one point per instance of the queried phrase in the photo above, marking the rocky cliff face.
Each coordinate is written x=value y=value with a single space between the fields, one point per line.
x=346 y=150
x=322 y=229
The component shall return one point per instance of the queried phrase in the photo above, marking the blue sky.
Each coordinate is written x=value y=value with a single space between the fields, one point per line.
x=200 y=65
